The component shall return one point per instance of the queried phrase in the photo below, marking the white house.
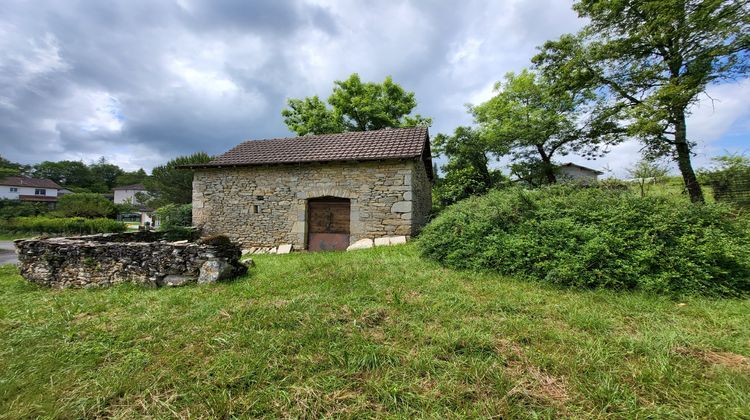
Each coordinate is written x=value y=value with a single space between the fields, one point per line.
x=29 y=189
x=577 y=173
x=127 y=195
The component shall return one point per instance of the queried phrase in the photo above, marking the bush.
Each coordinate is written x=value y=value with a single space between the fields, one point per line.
x=89 y=205
x=15 y=208
x=591 y=237
x=175 y=215
x=175 y=221
x=68 y=226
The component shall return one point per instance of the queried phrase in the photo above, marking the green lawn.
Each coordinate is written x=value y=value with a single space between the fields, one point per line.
x=375 y=333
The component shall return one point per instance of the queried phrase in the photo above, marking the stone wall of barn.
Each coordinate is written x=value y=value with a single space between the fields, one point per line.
x=265 y=206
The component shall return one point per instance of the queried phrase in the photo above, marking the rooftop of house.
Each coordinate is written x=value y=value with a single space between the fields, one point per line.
x=573 y=165
x=24 y=181
x=390 y=143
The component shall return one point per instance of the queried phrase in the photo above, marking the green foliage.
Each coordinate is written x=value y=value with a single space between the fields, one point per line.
x=104 y=175
x=169 y=184
x=130 y=178
x=533 y=120
x=653 y=58
x=730 y=179
x=89 y=205
x=646 y=173
x=67 y=173
x=15 y=208
x=99 y=177
x=356 y=106
x=8 y=168
x=173 y=215
x=467 y=172
x=590 y=237
x=59 y=225
x=175 y=221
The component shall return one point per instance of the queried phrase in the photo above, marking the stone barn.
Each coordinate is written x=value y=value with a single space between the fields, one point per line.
x=320 y=192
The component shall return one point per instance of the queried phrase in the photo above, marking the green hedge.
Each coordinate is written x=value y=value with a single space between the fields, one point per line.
x=67 y=225
x=590 y=237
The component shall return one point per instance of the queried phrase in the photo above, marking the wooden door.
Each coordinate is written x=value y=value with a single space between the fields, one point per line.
x=328 y=224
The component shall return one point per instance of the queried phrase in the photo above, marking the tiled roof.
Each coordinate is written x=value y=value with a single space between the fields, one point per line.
x=394 y=143
x=137 y=187
x=23 y=181
x=571 y=164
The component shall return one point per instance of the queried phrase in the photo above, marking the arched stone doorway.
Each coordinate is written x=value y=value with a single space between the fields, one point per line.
x=328 y=223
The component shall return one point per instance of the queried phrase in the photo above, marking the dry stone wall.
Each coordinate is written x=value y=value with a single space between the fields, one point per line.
x=265 y=206
x=109 y=259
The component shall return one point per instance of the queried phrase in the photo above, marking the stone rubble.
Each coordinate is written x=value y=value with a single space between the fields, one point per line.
x=139 y=257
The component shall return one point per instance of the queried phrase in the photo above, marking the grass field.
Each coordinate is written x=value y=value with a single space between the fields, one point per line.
x=373 y=333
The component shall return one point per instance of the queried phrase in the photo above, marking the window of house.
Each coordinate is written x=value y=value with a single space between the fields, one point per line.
x=256 y=208
x=13 y=189
x=40 y=191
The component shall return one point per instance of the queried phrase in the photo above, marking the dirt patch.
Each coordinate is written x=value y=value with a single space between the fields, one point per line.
x=727 y=359
x=530 y=380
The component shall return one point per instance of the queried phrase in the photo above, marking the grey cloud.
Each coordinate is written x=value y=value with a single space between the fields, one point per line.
x=140 y=81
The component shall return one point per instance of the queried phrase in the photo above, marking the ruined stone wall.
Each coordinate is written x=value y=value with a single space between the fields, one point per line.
x=265 y=206
x=109 y=259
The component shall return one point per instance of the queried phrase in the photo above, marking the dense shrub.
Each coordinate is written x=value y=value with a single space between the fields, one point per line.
x=591 y=237
x=85 y=205
x=67 y=225
x=175 y=215
x=175 y=221
x=15 y=208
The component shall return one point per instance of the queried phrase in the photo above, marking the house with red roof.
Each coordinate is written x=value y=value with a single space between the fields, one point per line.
x=29 y=189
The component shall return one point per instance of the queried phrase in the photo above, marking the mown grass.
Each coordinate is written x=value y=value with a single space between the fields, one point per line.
x=373 y=333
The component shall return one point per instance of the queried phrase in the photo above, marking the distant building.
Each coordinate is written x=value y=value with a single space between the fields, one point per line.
x=29 y=189
x=127 y=195
x=577 y=173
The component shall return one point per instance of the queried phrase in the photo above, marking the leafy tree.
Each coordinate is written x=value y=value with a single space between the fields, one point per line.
x=730 y=179
x=8 y=168
x=311 y=116
x=104 y=175
x=645 y=172
x=355 y=106
x=654 y=58
x=90 y=205
x=467 y=172
x=170 y=184
x=534 y=120
x=68 y=173
x=130 y=178
x=532 y=171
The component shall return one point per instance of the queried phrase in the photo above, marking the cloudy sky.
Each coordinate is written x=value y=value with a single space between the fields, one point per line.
x=139 y=82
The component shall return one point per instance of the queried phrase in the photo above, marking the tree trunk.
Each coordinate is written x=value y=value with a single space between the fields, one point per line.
x=547 y=168
x=683 y=159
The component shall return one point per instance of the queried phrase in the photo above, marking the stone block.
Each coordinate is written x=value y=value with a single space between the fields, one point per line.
x=176 y=280
x=383 y=241
x=401 y=207
x=284 y=249
x=214 y=270
x=397 y=240
x=360 y=244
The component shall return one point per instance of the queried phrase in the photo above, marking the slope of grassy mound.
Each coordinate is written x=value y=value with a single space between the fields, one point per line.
x=588 y=237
